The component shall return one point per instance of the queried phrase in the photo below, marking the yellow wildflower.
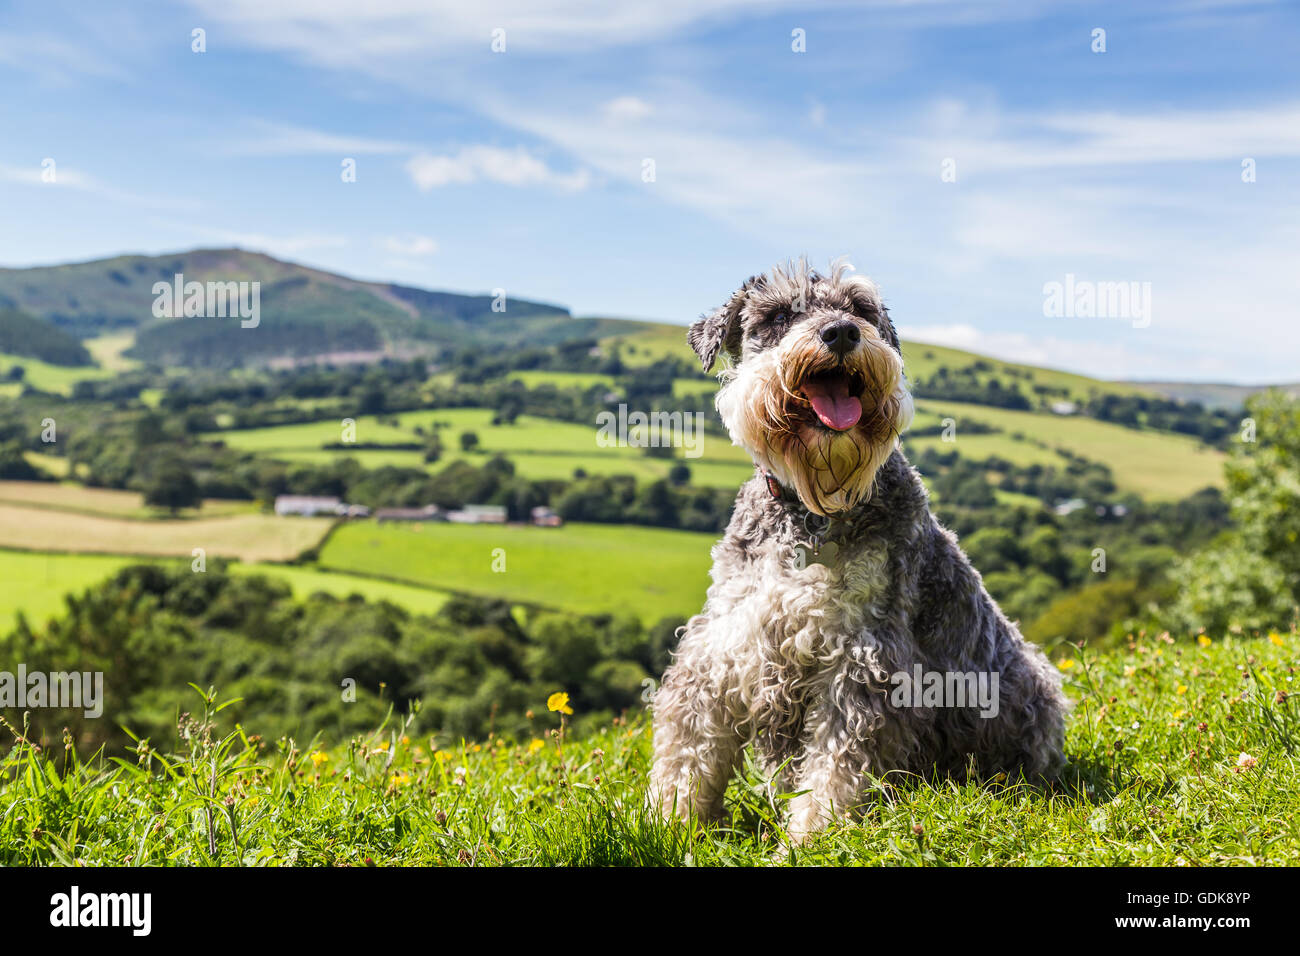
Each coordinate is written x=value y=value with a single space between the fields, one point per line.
x=535 y=745
x=1276 y=638
x=559 y=701
x=1204 y=641
x=1066 y=664
x=319 y=758
x=1182 y=689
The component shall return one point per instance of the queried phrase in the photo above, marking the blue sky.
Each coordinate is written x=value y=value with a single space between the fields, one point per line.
x=523 y=169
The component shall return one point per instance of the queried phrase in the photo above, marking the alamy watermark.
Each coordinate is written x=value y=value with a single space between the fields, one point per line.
x=64 y=690
x=1083 y=299
x=922 y=688
x=626 y=429
x=208 y=300
x=132 y=911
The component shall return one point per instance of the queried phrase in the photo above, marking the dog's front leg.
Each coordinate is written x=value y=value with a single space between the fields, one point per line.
x=833 y=774
x=696 y=742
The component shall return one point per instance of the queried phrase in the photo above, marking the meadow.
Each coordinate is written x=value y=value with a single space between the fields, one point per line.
x=1182 y=753
x=1158 y=466
x=540 y=448
x=36 y=582
x=248 y=537
x=650 y=573
x=107 y=502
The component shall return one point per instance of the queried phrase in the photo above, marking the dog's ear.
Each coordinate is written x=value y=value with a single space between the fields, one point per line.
x=890 y=334
x=720 y=328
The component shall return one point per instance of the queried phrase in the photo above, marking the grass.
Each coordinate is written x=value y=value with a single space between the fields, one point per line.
x=1155 y=465
x=648 y=572
x=1181 y=755
x=58 y=379
x=107 y=502
x=540 y=448
x=307 y=580
x=55 y=465
x=921 y=361
x=107 y=351
x=36 y=582
x=248 y=537
x=583 y=380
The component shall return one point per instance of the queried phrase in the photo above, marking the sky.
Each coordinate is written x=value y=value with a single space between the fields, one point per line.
x=641 y=159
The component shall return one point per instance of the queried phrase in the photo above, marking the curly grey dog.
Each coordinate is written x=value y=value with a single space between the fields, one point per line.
x=843 y=623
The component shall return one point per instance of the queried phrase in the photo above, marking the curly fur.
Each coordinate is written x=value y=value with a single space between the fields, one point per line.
x=798 y=660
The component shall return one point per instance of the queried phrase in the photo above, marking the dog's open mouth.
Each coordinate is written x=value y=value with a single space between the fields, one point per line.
x=835 y=397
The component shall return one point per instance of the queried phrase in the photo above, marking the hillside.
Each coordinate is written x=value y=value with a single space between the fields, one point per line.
x=304 y=312
x=1212 y=394
x=25 y=335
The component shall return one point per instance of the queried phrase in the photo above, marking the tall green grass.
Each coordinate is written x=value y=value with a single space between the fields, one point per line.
x=1181 y=755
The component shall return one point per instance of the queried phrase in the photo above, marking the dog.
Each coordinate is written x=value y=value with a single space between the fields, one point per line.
x=834 y=589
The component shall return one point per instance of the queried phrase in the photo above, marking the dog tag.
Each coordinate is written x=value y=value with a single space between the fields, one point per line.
x=825 y=555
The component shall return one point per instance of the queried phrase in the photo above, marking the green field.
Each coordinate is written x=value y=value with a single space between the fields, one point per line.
x=921 y=361
x=1156 y=465
x=305 y=581
x=648 y=572
x=541 y=448
x=1180 y=756
x=36 y=582
x=48 y=378
x=582 y=380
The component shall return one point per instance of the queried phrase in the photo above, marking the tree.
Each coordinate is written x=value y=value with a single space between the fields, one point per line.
x=14 y=466
x=468 y=441
x=432 y=448
x=172 y=485
x=1250 y=578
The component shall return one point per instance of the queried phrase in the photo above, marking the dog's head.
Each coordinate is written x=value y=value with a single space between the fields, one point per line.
x=815 y=388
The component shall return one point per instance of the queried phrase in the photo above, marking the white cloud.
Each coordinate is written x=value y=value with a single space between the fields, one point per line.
x=988 y=140
x=409 y=245
x=54 y=59
x=279 y=246
x=511 y=167
x=272 y=139
x=371 y=34
x=626 y=109
x=66 y=177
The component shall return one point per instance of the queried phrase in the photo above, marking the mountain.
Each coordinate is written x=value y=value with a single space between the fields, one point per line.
x=304 y=313
x=1213 y=395
x=30 y=337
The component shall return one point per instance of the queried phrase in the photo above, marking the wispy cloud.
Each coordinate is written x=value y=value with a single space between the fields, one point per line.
x=67 y=178
x=56 y=60
x=276 y=139
x=276 y=245
x=511 y=167
x=409 y=245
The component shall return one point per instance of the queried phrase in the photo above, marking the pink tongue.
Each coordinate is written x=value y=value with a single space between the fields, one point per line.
x=833 y=404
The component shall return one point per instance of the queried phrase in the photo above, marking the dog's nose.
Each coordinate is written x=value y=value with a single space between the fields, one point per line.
x=840 y=336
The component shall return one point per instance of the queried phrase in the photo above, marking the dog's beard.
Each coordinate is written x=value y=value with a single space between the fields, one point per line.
x=764 y=409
